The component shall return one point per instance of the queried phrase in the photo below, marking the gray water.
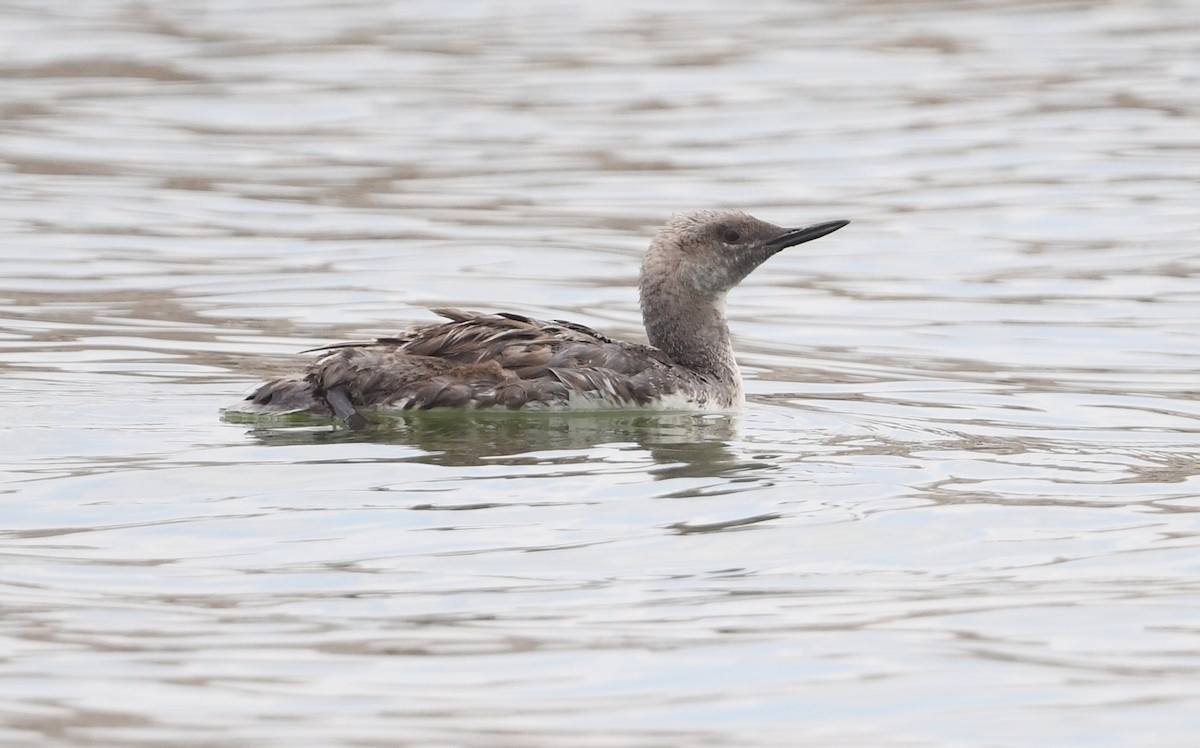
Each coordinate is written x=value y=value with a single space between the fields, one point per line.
x=962 y=507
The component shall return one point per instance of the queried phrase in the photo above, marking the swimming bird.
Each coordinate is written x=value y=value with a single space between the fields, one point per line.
x=509 y=361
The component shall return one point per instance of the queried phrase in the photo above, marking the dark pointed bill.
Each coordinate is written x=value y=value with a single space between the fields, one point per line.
x=792 y=237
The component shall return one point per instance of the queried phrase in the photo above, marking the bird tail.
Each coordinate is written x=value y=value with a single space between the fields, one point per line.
x=281 y=396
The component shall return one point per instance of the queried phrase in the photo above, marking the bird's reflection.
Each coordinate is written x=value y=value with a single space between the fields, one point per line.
x=681 y=444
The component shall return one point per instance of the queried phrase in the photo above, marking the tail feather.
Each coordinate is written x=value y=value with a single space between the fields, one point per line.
x=291 y=394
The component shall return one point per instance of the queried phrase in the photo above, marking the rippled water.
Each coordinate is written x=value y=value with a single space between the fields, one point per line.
x=961 y=508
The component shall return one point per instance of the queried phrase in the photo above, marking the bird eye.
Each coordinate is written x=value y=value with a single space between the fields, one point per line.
x=730 y=236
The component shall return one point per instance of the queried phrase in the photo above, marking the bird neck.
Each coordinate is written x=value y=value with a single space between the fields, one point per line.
x=691 y=330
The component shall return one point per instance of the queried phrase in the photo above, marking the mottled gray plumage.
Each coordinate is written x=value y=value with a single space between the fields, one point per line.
x=476 y=360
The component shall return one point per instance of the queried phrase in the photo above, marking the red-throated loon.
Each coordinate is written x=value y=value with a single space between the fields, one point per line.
x=509 y=361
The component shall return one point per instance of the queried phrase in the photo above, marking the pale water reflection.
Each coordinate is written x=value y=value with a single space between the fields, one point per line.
x=963 y=504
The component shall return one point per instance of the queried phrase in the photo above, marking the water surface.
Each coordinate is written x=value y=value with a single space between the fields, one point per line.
x=961 y=508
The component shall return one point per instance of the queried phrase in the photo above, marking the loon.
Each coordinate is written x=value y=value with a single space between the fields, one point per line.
x=509 y=361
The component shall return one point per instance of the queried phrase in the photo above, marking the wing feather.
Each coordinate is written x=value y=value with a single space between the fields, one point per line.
x=493 y=360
